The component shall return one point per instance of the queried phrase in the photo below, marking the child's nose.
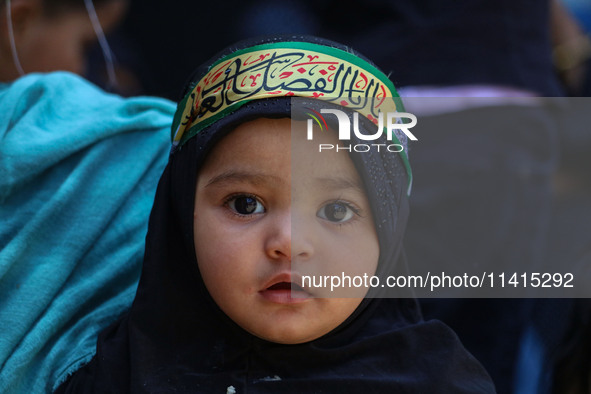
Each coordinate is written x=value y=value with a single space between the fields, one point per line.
x=278 y=242
x=288 y=238
x=301 y=238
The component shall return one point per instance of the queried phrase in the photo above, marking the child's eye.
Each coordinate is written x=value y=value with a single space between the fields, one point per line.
x=245 y=205
x=337 y=212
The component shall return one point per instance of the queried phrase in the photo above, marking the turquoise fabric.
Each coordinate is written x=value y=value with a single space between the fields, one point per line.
x=78 y=174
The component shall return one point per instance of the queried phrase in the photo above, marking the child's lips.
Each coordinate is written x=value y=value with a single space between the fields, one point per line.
x=284 y=289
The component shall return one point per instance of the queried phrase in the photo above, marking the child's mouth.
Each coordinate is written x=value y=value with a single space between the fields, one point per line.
x=285 y=292
x=286 y=286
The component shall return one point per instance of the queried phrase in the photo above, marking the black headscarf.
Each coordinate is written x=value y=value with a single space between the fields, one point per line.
x=176 y=339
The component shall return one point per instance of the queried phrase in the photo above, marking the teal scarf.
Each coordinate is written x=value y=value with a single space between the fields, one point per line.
x=78 y=173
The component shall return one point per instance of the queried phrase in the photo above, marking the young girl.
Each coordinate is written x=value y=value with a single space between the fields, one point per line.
x=244 y=205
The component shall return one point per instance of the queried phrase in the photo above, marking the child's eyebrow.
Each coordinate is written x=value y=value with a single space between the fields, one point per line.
x=339 y=183
x=234 y=176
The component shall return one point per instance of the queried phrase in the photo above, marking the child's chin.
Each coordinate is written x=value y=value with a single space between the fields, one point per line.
x=289 y=338
x=291 y=341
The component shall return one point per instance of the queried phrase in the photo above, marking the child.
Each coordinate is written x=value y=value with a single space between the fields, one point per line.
x=242 y=206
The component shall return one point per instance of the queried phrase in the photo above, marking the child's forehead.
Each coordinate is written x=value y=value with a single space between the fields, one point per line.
x=257 y=143
x=279 y=148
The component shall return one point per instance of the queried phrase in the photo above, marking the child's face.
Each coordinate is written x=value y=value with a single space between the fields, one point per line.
x=255 y=215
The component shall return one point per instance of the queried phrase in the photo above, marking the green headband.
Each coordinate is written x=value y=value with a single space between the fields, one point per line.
x=286 y=69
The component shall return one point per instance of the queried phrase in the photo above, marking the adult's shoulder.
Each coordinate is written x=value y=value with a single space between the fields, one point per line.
x=46 y=118
x=78 y=173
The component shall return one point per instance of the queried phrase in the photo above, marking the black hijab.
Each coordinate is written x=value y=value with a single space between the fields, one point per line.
x=176 y=339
